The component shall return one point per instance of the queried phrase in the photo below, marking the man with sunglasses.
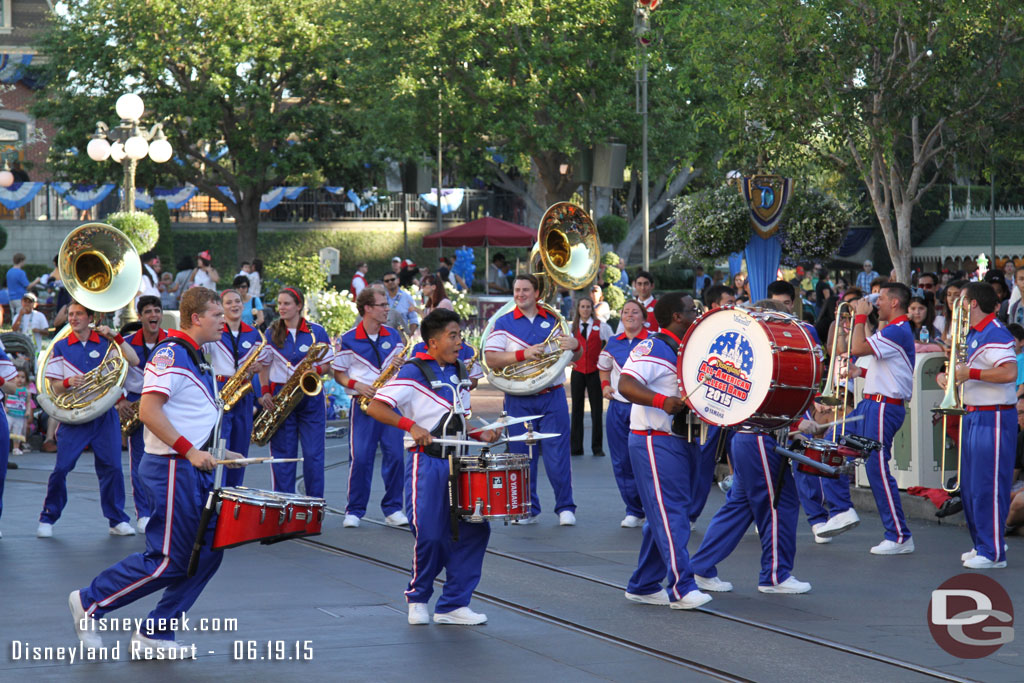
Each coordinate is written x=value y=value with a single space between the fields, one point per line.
x=401 y=305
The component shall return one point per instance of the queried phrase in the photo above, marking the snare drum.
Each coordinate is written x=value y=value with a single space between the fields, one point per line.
x=494 y=487
x=304 y=515
x=755 y=367
x=825 y=452
x=247 y=515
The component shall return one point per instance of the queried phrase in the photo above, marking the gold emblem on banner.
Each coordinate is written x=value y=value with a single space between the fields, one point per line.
x=766 y=196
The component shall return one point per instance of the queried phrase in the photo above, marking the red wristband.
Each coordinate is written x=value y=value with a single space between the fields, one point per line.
x=605 y=383
x=119 y=340
x=659 y=401
x=351 y=384
x=520 y=355
x=1 y=381
x=974 y=373
x=182 y=446
x=859 y=319
x=406 y=424
x=67 y=382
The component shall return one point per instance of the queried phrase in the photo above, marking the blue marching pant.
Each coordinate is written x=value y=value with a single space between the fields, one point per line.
x=554 y=412
x=104 y=435
x=881 y=422
x=5 y=454
x=813 y=498
x=986 y=473
x=179 y=493
x=136 y=448
x=664 y=466
x=617 y=421
x=236 y=430
x=752 y=498
x=706 y=461
x=306 y=425
x=426 y=482
x=364 y=435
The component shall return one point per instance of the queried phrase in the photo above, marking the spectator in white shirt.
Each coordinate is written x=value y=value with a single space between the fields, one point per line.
x=256 y=277
x=29 y=321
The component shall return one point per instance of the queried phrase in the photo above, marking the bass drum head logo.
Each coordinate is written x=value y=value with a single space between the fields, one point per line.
x=726 y=366
x=970 y=616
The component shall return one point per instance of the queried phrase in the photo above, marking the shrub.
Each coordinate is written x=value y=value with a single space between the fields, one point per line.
x=141 y=228
x=612 y=229
x=615 y=297
x=293 y=270
x=709 y=224
x=460 y=302
x=3 y=237
x=336 y=311
x=611 y=275
x=812 y=227
x=165 y=240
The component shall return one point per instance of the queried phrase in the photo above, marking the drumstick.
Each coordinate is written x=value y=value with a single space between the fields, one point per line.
x=833 y=423
x=254 y=461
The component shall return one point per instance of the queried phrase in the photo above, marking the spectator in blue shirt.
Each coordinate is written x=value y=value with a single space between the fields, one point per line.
x=700 y=282
x=401 y=303
x=865 y=277
x=17 y=283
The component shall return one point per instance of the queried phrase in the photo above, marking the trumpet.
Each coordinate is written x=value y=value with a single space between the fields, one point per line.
x=953 y=400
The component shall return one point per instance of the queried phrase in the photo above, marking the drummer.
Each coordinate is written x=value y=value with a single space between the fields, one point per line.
x=428 y=405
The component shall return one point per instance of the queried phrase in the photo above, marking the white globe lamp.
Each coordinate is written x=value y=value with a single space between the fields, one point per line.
x=136 y=147
x=160 y=150
x=98 y=149
x=129 y=107
x=117 y=152
x=6 y=178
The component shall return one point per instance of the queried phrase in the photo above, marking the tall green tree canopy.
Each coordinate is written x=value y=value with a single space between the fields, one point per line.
x=262 y=78
x=887 y=88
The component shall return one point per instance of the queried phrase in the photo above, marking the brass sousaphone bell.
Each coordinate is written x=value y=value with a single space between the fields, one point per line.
x=567 y=254
x=101 y=270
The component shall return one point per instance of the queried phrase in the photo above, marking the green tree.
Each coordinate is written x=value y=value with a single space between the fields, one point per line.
x=262 y=79
x=888 y=89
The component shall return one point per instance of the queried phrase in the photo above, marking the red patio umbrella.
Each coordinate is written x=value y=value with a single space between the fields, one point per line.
x=485 y=232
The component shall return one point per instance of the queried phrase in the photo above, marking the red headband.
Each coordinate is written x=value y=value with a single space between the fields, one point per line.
x=296 y=293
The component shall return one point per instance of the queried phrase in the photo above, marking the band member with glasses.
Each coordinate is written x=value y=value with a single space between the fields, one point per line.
x=365 y=352
x=989 y=428
x=517 y=336
x=400 y=304
x=663 y=461
x=72 y=357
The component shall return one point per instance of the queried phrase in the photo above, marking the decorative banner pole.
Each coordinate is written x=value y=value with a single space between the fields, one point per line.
x=766 y=196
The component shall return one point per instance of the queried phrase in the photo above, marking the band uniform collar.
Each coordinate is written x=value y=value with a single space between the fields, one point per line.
x=983 y=323
x=642 y=334
x=361 y=331
x=183 y=336
x=898 y=320
x=666 y=331
x=140 y=338
x=242 y=327
x=517 y=313
x=93 y=337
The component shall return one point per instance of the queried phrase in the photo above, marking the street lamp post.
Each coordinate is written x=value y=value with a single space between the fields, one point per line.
x=641 y=26
x=127 y=144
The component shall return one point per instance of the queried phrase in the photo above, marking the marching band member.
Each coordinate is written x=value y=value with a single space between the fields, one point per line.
x=643 y=283
x=609 y=364
x=517 y=336
x=989 y=427
x=717 y=438
x=466 y=355
x=815 y=492
x=889 y=384
x=662 y=461
x=291 y=337
x=591 y=334
x=7 y=373
x=365 y=352
x=424 y=406
x=237 y=342
x=142 y=341
x=178 y=411
x=73 y=356
x=755 y=498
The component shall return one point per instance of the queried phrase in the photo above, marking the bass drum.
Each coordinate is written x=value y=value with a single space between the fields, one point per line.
x=749 y=367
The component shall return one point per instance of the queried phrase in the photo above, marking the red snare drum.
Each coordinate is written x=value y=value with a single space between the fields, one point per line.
x=247 y=515
x=755 y=367
x=304 y=515
x=494 y=487
x=825 y=452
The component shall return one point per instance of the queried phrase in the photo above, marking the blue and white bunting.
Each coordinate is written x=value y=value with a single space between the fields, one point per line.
x=19 y=194
x=83 y=196
x=451 y=199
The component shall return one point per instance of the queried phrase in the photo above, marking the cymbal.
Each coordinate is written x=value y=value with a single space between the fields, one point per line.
x=506 y=421
x=531 y=436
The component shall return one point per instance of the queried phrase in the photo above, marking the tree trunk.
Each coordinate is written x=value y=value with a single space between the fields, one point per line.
x=661 y=195
x=247 y=226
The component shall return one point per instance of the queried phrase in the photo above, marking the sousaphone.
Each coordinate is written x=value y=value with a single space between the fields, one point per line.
x=101 y=270
x=567 y=253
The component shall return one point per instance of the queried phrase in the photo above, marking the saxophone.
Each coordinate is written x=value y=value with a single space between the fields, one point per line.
x=390 y=371
x=304 y=380
x=240 y=383
x=133 y=421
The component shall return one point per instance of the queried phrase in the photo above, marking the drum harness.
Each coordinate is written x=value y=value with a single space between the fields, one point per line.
x=451 y=425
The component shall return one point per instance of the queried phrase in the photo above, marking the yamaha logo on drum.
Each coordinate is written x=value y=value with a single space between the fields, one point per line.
x=513 y=489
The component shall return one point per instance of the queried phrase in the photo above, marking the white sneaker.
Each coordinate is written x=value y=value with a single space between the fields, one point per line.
x=790 y=586
x=418 y=613
x=725 y=484
x=524 y=522
x=122 y=529
x=89 y=637
x=659 y=598
x=566 y=518
x=44 y=530
x=818 y=538
x=17 y=451
x=712 y=583
x=631 y=522
x=844 y=521
x=462 y=615
x=973 y=552
x=691 y=600
x=982 y=562
x=397 y=518
x=351 y=522
x=888 y=547
x=142 y=524
x=154 y=647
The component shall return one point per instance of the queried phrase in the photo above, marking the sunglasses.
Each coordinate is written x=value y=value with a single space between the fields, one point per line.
x=390 y=279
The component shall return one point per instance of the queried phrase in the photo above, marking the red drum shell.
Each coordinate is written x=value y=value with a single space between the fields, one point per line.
x=246 y=516
x=500 y=482
x=304 y=515
x=824 y=452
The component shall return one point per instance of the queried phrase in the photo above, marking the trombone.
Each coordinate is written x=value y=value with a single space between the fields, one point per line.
x=830 y=395
x=953 y=400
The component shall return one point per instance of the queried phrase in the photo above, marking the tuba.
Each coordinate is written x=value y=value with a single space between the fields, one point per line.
x=304 y=380
x=101 y=270
x=567 y=252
